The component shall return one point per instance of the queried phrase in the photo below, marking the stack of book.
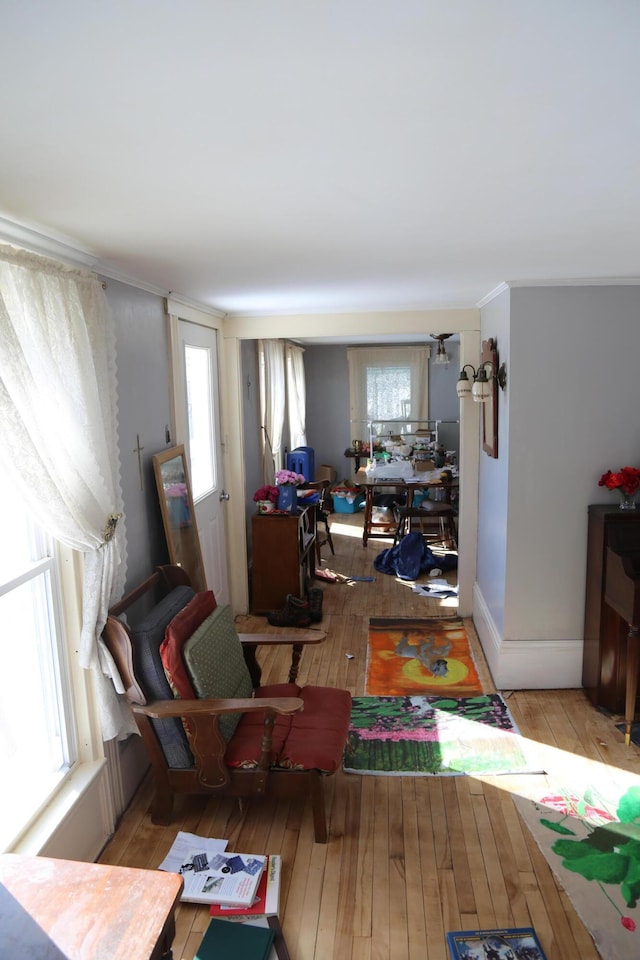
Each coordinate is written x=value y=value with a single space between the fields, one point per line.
x=213 y=875
x=237 y=887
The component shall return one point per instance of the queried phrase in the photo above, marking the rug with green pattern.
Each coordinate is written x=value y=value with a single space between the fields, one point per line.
x=421 y=736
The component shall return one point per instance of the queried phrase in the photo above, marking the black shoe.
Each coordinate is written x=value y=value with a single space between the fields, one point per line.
x=314 y=598
x=295 y=613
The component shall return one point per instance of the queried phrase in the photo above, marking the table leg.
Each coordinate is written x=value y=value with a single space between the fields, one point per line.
x=633 y=649
x=368 y=513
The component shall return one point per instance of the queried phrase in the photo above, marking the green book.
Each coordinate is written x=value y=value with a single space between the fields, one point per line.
x=224 y=939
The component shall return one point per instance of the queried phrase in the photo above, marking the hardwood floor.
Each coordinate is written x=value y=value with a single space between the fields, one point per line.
x=408 y=858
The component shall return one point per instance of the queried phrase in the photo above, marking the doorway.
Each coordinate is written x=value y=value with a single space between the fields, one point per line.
x=342 y=329
x=197 y=422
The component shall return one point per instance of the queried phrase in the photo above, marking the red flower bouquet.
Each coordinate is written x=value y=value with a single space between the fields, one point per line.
x=627 y=480
x=266 y=493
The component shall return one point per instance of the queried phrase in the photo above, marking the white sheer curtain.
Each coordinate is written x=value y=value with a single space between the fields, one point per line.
x=58 y=437
x=387 y=384
x=296 y=396
x=272 y=405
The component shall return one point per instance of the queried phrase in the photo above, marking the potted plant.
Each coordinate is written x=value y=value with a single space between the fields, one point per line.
x=626 y=482
x=288 y=482
x=266 y=498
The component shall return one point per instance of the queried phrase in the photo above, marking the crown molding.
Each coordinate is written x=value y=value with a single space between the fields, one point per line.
x=578 y=282
x=564 y=282
x=34 y=240
x=111 y=273
x=177 y=298
x=492 y=295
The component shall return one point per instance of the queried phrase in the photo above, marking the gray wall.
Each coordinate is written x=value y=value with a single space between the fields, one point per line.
x=143 y=405
x=570 y=412
x=328 y=429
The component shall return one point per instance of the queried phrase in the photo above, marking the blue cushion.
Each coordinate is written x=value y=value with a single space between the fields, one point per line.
x=147 y=637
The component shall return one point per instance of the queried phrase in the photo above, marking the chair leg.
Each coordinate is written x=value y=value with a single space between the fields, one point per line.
x=329 y=540
x=318 y=807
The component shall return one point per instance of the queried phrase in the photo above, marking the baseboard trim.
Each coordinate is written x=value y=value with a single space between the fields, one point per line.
x=526 y=664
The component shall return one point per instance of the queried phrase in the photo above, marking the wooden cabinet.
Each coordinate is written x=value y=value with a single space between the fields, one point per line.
x=283 y=557
x=604 y=661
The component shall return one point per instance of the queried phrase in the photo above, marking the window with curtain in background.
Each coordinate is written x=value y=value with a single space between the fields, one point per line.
x=389 y=387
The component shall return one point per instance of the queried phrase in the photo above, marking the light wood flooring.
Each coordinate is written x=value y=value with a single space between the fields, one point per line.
x=408 y=858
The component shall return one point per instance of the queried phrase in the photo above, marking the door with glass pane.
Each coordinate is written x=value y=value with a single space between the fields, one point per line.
x=198 y=422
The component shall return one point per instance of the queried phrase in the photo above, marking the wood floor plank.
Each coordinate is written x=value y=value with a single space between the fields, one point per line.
x=408 y=858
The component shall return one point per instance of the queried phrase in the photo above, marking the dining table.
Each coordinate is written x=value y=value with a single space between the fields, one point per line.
x=403 y=486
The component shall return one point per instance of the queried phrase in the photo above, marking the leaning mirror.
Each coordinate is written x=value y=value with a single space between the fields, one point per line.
x=178 y=514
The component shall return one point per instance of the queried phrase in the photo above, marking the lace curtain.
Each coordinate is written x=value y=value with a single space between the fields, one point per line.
x=272 y=405
x=387 y=385
x=58 y=437
x=296 y=395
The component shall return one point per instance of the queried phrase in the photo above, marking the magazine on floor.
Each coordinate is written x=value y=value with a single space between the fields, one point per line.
x=212 y=874
x=505 y=944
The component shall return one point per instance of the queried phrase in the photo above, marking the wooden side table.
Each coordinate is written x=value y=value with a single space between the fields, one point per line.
x=53 y=909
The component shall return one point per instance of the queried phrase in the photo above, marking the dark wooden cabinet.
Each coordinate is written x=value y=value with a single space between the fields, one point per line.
x=604 y=663
x=283 y=557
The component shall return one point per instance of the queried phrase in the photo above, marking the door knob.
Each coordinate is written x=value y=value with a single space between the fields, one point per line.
x=224 y=496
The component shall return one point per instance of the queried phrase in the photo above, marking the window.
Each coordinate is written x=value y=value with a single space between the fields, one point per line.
x=200 y=417
x=387 y=385
x=37 y=745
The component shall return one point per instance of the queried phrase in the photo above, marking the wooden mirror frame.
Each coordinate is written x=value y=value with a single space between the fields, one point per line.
x=178 y=513
x=490 y=407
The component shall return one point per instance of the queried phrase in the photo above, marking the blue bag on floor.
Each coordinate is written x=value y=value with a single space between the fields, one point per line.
x=411 y=557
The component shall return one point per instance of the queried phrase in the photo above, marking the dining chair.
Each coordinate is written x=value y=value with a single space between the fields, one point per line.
x=323 y=535
x=436 y=520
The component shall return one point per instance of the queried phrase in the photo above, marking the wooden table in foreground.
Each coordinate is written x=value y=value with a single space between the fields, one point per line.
x=53 y=909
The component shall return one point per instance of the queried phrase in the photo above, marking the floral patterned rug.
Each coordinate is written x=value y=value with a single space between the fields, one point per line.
x=590 y=835
x=420 y=656
x=418 y=736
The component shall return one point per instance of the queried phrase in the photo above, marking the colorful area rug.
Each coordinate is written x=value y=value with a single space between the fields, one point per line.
x=420 y=656
x=418 y=736
x=589 y=834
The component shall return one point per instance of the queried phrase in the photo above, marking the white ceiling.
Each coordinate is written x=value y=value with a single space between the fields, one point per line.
x=285 y=155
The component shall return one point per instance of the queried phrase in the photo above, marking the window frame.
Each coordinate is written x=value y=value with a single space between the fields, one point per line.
x=362 y=359
x=72 y=694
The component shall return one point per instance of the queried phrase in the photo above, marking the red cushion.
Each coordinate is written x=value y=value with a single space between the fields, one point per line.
x=243 y=750
x=319 y=732
x=176 y=635
x=313 y=738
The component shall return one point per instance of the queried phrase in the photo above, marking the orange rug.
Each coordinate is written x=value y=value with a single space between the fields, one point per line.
x=420 y=656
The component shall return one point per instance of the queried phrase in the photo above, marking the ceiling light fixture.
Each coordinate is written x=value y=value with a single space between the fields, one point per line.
x=442 y=357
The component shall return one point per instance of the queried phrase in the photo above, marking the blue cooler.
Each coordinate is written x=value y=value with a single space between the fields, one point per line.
x=302 y=460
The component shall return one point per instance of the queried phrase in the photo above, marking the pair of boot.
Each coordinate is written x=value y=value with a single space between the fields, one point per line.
x=298 y=612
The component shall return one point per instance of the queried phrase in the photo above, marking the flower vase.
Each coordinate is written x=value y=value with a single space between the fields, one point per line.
x=288 y=498
x=266 y=506
x=628 y=500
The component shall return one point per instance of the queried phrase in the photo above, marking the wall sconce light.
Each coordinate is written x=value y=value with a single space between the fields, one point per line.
x=480 y=391
x=442 y=357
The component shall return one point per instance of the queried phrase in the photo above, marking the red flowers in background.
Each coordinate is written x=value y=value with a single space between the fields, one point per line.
x=266 y=493
x=627 y=480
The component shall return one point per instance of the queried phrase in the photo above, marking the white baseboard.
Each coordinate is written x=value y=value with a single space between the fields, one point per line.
x=526 y=664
